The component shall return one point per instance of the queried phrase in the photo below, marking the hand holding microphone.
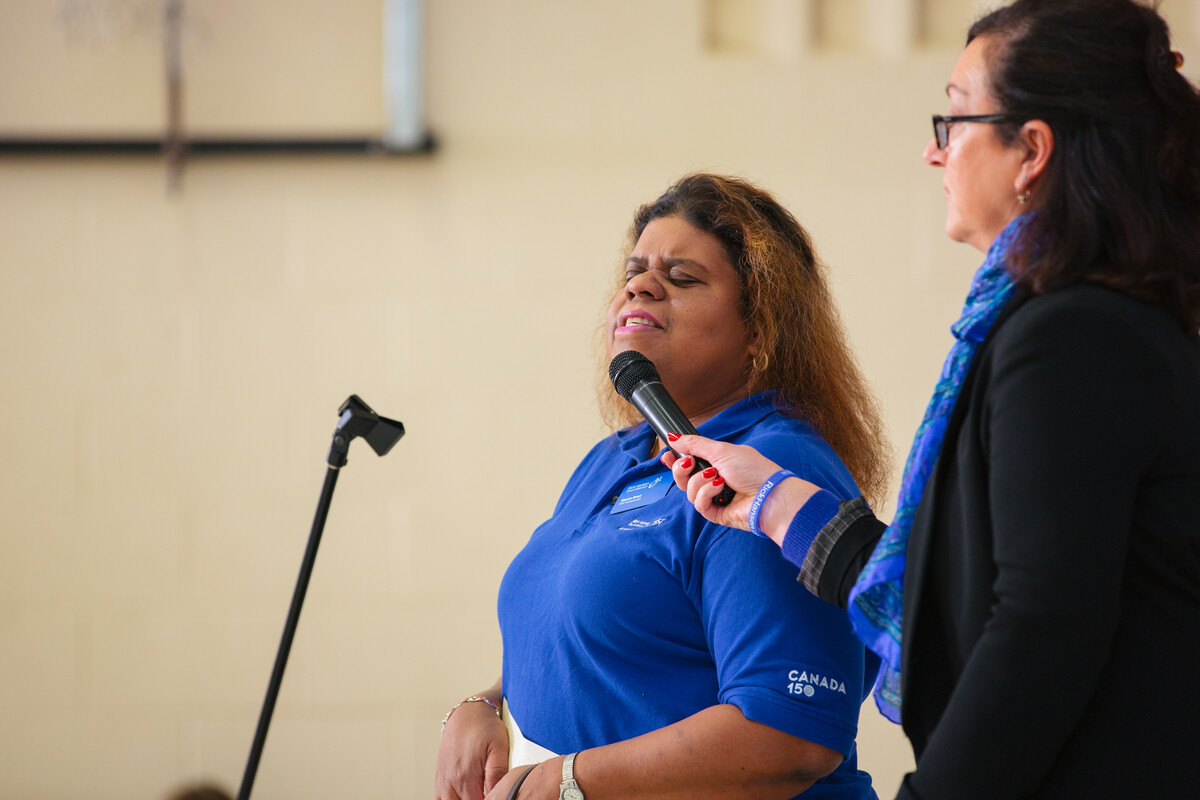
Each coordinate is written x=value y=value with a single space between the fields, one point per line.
x=637 y=380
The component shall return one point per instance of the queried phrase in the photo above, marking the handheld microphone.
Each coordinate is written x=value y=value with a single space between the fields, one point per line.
x=636 y=379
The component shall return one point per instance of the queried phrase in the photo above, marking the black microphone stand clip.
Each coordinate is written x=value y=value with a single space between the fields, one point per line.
x=355 y=418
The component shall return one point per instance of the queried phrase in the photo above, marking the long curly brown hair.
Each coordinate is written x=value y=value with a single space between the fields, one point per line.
x=796 y=336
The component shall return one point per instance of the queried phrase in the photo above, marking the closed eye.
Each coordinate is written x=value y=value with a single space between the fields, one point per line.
x=679 y=272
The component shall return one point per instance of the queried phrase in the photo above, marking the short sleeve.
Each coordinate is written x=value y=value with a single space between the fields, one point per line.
x=783 y=657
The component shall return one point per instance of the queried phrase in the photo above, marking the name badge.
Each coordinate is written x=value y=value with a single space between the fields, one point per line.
x=643 y=492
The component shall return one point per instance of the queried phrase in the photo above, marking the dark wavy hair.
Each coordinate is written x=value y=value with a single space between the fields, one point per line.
x=791 y=321
x=1119 y=201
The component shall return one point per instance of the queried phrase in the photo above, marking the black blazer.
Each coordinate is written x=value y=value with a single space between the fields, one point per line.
x=1051 y=632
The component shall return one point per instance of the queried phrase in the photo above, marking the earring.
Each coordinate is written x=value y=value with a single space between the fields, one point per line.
x=1022 y=196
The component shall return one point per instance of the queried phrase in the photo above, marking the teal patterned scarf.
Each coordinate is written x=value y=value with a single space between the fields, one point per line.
x=876 y=600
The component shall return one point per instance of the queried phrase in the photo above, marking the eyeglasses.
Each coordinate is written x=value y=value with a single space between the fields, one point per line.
x=941 y=125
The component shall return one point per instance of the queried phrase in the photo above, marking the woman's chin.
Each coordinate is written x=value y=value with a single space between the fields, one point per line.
x=620 y=344
x=954 y=229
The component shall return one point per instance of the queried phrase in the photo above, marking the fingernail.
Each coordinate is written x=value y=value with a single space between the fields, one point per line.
x=710 y=472
x=686 y=463
x=718 y=481
x=672 y=437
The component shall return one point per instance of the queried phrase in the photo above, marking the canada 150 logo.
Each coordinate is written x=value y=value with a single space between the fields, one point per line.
x=806 y=683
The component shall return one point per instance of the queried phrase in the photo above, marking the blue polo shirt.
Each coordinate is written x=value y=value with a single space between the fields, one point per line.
x=627 y=611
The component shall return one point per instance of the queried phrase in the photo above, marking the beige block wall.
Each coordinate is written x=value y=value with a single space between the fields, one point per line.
x=173 y=362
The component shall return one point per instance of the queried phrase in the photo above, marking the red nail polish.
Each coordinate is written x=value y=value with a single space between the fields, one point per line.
x=686 y=463
x=718 y=481
x=710 y=472
x=672 y=437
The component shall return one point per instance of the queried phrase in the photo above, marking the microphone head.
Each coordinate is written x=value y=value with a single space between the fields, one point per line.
x=628 y=370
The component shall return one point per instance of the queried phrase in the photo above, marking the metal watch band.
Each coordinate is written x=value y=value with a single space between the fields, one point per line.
x=569 y=789
x=569 y=768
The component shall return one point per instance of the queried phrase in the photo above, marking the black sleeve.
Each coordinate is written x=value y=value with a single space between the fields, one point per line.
x=846 y=559
x=1072 y=416
x=838 y=550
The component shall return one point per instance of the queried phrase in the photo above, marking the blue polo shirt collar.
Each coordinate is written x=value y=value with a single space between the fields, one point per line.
x=741 y=416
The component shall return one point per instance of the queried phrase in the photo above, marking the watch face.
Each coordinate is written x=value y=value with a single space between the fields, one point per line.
x=571 y=793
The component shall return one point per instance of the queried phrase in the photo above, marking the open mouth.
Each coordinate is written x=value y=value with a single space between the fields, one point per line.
x=631 y=320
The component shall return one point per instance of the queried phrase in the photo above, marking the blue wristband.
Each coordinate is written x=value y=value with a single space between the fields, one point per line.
x=814 y=515
x=760 y=498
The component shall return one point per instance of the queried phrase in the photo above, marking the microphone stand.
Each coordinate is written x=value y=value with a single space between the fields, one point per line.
x=355 y=419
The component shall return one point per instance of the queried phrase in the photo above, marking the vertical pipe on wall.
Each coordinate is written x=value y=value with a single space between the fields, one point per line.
x=402 y=74
x=173 y=138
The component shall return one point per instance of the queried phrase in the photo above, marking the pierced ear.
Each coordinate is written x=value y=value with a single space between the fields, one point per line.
x=758 y=360
x=1039 y=145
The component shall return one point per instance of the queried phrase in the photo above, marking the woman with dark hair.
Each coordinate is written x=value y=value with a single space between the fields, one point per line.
x=1036 y=598
x=644 y=651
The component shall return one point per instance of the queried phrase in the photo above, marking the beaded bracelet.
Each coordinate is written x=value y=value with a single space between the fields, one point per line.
x=760 y=498
x=475 y=698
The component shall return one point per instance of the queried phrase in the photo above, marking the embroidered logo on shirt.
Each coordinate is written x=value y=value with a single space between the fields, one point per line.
x=635 y=524
x=806 y=683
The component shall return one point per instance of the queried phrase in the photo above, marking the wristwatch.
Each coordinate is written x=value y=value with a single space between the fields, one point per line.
x=569 y=789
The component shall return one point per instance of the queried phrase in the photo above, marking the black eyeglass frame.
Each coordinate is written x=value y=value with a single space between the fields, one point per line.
x=941 y=125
